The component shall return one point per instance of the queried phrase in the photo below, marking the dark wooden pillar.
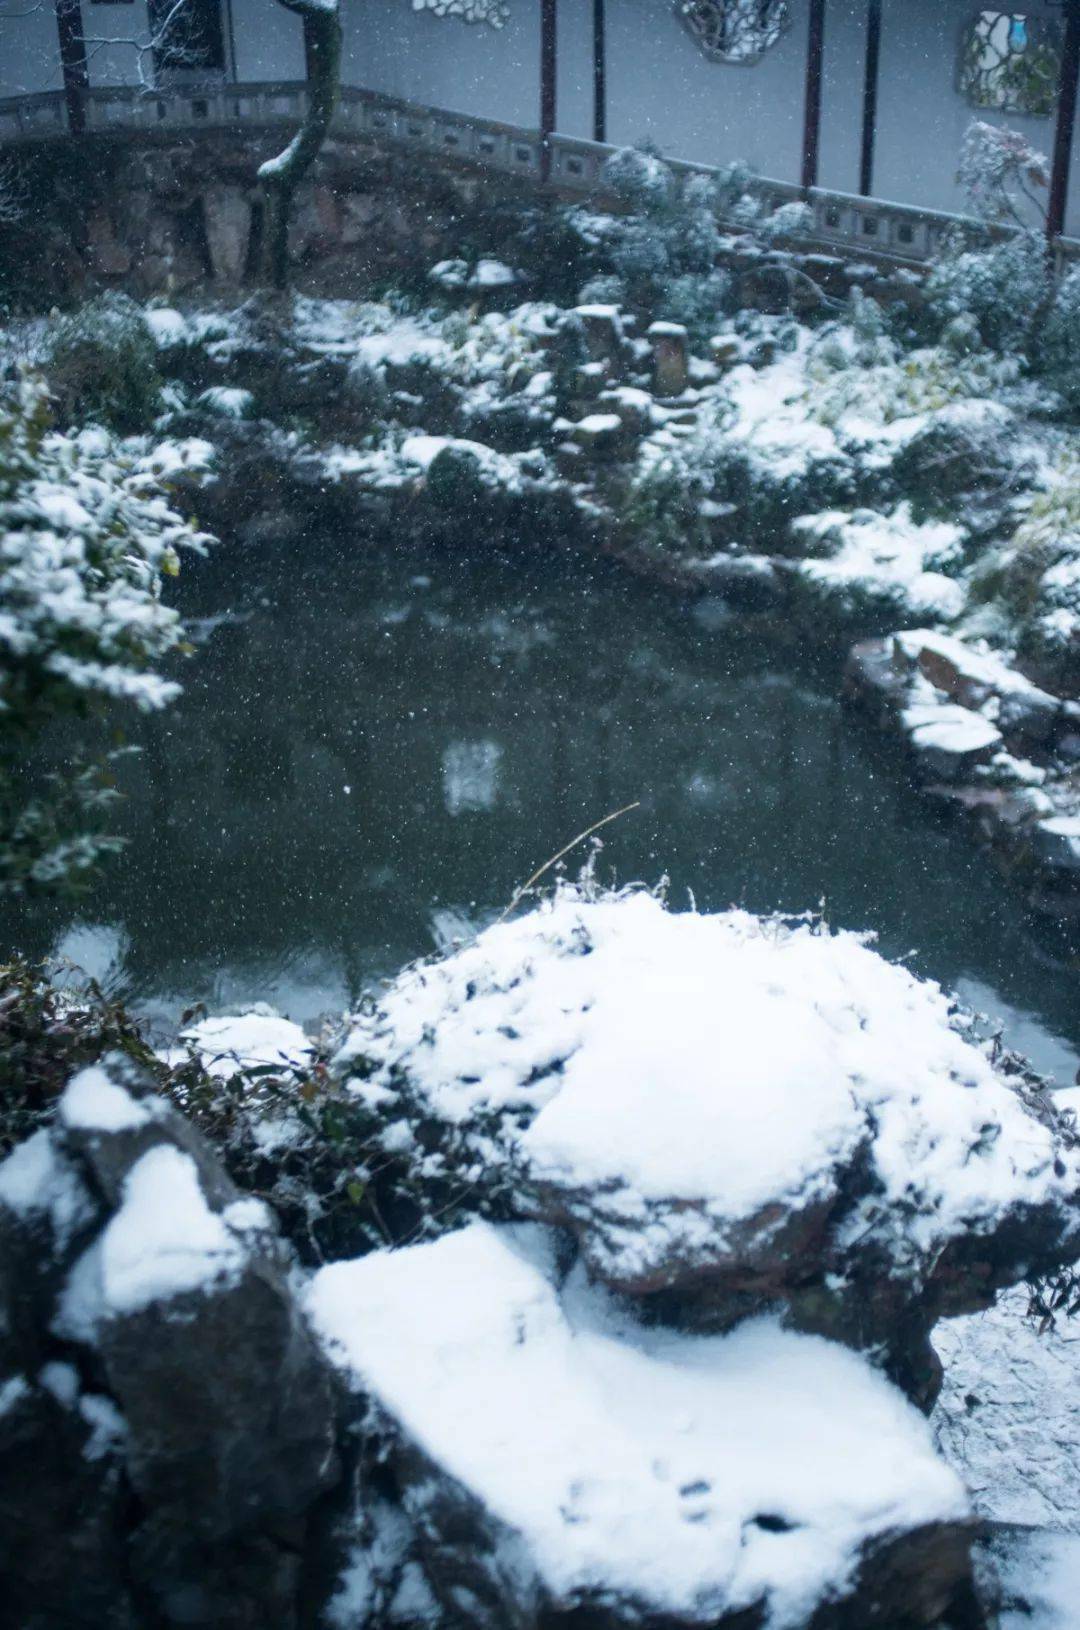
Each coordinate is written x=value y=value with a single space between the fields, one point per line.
x=548 y=70
x=69 y=29
x=599 y=72
x=1066 y=122
x=815 y=57
x=871 y=74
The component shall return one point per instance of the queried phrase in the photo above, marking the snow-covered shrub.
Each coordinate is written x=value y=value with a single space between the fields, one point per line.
x=1001 y=173
x=639 y=178
x=1002 y=286
x=696 y=301
x=101 y=362
x=876 y=570
x=86 y=539
x=661 y=509
x=965 y=460
x=770 y=491
x=606 y=289
x=788 y=221
x=1056 y=343
x=46 y=1034
x=1035 y=579
x=642 y=259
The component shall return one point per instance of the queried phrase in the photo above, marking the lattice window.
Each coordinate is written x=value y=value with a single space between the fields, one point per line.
x=1010 y=61
x=734 y=30
x=494 y=12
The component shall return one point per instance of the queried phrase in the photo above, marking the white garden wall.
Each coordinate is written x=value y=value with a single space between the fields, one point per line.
x=921 y=114
x=445 y=61
x=268 y=41
x=29 y=49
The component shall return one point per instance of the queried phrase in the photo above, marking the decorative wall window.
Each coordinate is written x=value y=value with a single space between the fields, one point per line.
x=495 y=12
x=733 y=30
x=1010 y=61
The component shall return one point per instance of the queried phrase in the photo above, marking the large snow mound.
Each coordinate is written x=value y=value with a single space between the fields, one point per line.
x=677 y=1078
x=688 y=1474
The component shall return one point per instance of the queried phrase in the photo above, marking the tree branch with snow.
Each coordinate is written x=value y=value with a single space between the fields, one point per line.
x=281 y=176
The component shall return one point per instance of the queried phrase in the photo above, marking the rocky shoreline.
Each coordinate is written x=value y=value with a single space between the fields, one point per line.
x=638 y=1335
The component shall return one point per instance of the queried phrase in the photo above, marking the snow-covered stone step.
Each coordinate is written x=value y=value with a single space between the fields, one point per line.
x=554 y=1454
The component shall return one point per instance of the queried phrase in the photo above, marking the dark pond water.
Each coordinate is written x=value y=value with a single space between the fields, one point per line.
x=372 y=751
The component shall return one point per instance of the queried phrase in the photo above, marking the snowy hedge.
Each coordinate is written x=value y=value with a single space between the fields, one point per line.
x=85 y=539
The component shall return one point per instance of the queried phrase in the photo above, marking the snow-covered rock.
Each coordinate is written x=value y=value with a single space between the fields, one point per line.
x=728 y=1113
x=128 y=1256
x=882 y=558
x=258 y=1038
x=555 y=1455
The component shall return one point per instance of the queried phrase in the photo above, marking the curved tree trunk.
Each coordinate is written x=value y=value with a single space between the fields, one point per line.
x=281 y=176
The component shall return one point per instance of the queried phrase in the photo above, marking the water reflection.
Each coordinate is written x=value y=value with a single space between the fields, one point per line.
x=370 y=754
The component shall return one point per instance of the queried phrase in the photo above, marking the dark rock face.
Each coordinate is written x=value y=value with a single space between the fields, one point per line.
x=163 y=1449
x=63 y=1512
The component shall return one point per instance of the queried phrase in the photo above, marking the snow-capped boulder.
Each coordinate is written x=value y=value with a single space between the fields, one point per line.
x=729 y=1114
x=138 y=1263
x=554 y=1456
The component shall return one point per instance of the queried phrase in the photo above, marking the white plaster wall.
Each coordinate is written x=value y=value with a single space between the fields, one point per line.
x=29 y=49
x=921 y=114
x=661 y=87
x=842 y=95
x=268 y=41
x=574 y=85
x=445 y=62
x=117 y=38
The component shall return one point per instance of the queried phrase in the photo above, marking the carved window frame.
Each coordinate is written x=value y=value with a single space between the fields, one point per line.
x=736 y=32
x=1026 y=73
x=495 y=13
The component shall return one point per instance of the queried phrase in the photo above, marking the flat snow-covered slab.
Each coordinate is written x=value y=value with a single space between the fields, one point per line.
x=689 y=1474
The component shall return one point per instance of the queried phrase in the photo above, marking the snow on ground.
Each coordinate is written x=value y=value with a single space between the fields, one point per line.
x=1039 y=1579
x=686 y=1473
x=1008 y=1417
x=694 y=1066
x=886 y=557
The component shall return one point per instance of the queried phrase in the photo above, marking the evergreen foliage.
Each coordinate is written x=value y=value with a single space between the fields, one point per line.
x=87 y=538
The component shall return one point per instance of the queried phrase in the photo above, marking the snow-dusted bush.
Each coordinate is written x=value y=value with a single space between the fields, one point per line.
x=1057 y=341
x=101 y=362
x=661 y=509
x=1002 y=174
x=639 y=178
x=1036 y=578
x=86 y=537
x=1003 y=287
x=697 y=301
